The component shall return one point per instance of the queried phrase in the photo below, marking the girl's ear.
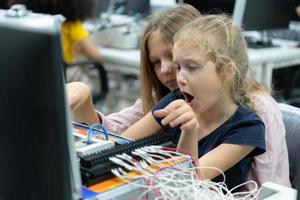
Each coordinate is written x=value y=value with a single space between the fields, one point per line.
x=231 y=70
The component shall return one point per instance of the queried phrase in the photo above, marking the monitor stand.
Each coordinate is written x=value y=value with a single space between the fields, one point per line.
x=262 y=42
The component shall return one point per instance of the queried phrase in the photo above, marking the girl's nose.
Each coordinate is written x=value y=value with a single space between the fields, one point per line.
x=181 y=80
x=166 y=66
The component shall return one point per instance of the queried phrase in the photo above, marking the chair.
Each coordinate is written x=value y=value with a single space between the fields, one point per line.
x=291 y=119
x=295 y=88
x=103 y=80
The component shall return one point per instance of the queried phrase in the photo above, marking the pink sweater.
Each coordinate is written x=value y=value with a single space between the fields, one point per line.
x=272 y=166
x=118 y=122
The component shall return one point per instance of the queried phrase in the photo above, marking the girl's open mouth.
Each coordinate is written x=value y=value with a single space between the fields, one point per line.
x=187 y=97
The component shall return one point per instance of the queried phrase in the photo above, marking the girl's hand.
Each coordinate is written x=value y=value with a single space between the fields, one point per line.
x=77 y=94
x=179 y=113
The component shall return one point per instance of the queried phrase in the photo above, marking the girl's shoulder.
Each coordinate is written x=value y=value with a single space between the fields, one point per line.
x=75 y=30
x=245 y=127
x=243 y=112
x=265 y=104
x=243 y=121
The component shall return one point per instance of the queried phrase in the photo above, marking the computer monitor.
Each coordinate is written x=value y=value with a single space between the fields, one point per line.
x=124 y=7
x=263 y=14
x=141 y=7
x=212 y=6
x=37 y=161
x=101 y=6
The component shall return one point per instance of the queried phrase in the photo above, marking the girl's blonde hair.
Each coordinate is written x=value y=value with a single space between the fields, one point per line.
x=167 y=24
x=225 y=45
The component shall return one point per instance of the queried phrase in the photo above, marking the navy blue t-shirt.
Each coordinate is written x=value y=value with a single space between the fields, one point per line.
x=244 y=127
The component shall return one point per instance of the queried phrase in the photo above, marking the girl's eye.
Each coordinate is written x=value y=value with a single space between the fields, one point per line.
x=177 y=66
x=155 y=63
x=170 y=56
x=191 y=68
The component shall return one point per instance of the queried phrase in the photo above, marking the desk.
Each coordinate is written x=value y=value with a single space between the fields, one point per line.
x=261 y=61
x=264 y=61
x=123 y=61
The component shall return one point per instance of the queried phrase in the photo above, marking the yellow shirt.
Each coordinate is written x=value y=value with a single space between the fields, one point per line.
x=72 y=33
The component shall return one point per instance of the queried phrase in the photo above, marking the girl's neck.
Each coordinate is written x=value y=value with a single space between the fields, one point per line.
x=218 y=114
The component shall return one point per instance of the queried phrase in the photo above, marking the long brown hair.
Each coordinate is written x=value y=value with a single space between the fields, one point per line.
x=167 y=23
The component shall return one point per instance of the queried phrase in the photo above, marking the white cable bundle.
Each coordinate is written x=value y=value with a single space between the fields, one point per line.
x=173 y=183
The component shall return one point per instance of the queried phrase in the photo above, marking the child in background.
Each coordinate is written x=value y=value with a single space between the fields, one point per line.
x=75 y=39
x=210 y=115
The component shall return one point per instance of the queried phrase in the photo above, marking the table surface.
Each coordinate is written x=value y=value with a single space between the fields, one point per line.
x=285 y=55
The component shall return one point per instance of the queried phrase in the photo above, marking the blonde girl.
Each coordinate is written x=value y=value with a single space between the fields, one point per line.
x=210 y=115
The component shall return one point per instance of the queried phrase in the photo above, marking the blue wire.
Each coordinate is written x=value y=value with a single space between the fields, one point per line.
x=91 y=131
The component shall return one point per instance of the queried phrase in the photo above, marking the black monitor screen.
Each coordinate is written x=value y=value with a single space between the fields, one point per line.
x=35 y=154
x=138 y=7
x=101 y=6
x=263 y=14
x=212 y=6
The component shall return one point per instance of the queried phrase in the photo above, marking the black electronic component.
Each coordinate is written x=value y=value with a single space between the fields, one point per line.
x=96 y=167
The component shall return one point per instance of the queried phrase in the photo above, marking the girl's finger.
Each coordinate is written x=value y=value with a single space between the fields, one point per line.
x=175 y=115
x=189 y=125
x=174 y=105
x=160 y=113
x=182 y=119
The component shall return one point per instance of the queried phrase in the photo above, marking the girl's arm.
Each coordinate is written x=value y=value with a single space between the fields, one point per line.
x=222 y=157
x=142 y=128
x=81 y=103
x=88 y=48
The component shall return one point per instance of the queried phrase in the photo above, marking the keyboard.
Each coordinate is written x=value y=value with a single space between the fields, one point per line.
x=259 y=44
